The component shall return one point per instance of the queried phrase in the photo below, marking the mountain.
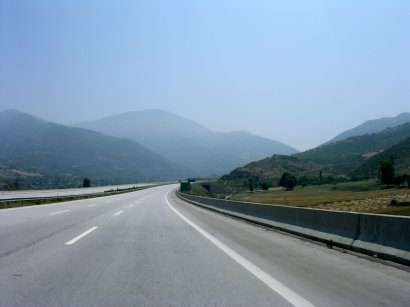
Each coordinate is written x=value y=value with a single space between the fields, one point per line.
x=401 y=157
x=188 y=143
x=373 y=126
x=335 y=159
x=51 y=155
x=344 y=156
x=274 y=167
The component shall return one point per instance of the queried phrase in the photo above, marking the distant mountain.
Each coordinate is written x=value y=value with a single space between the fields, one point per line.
x=373 y=126
x=188 y=143
x=44 y=154
x=335 y=159
x=400 y=154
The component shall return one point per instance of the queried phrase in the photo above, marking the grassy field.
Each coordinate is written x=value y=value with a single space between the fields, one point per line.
x=363 y=196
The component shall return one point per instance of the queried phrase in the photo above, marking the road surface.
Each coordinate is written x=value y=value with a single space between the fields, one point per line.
x=148 y=248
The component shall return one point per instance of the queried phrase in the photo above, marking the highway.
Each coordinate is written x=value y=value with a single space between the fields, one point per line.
x=149 y=248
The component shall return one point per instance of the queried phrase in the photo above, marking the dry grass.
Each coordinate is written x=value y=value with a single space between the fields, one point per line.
x=325 y=197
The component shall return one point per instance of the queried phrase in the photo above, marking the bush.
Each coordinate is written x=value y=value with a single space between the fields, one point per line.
x=396 y=203
x=288 y=181
x=398 y=180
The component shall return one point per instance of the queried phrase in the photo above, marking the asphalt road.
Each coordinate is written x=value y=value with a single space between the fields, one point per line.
x=148 y=248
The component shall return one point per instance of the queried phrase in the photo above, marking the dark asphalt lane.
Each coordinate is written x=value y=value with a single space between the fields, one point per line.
x=134 y=250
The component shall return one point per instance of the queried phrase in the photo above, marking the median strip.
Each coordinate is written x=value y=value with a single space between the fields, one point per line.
x=81 y=236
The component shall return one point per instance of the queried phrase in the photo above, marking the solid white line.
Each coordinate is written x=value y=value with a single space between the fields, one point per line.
x=59 y=212
x=118 y=213
x=288 y=294
x=81 y=235
x=92 y=205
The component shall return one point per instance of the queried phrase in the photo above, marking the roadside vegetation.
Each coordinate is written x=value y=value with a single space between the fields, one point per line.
x=287 y=180
x=368 y=196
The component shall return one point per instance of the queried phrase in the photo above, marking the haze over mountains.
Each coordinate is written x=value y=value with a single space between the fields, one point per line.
x=44 y=154
x=188 y=143
x=373 y=126
x=156 y=145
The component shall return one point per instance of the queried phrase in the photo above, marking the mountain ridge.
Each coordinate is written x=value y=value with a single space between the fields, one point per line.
x=186 y=142
x=372 y=126
x=340 y=159
x=63 y=155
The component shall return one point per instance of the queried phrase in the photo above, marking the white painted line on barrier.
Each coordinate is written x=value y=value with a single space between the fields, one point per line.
x=81 y=236
x=118 y=213
x=59 y=212
x=288 y=294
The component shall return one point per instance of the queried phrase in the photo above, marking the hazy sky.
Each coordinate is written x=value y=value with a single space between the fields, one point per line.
x=296 y=71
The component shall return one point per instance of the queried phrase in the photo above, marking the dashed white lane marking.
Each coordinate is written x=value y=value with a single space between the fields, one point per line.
x=118 y=213
x=288 y=294
x=92 y=205
x=81 y=235
x=59 y=212
x=131 y=206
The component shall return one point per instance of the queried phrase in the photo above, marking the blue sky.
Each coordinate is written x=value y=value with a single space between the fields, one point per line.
x=296 y=71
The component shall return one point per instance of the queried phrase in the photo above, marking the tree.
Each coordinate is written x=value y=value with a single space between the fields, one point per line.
x=386 y=172
x=250 y=185
x=288 y=181
x=406 y=178
x=265 y=185
x=86 y=183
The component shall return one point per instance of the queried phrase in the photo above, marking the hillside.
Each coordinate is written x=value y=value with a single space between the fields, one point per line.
x=373 y=126
x=274 y=167
x=344 y=156
x=44 y=154
x=185 y=142
x=336 y=159
x=401 y=157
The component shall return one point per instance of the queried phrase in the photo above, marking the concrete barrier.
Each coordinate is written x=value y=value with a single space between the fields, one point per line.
x=387 y=237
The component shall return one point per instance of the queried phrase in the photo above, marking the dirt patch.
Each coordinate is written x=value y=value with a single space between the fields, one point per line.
x=370 y=205
x=371 y=154
x=23 y=173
